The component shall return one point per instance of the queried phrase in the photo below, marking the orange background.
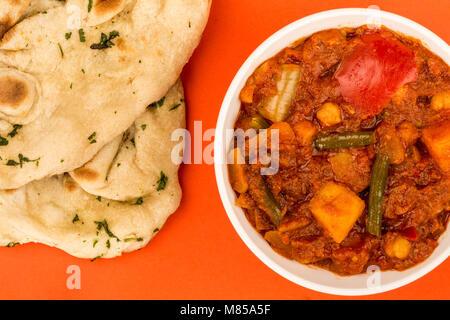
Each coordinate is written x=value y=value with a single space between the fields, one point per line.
x=198 y=255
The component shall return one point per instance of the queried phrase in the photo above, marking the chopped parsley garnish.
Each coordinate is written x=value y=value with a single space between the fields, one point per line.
x=12 y=134
x=97 y=257
x=22 y=160
x=103 y=224
x=90 y=5
x=68 y=35
x=143 y=127
x=61 y=50
x=105 y=41
x=82 y=35
x=162 y=182
x=16 y=127
x=91 y=138
x=99 y=198
x=3 y=141
x=75 y=219
x=175 y=107
x=95 y=242
x=156 y=230
x=135 y=239
x=158 y=103
x=12 y=244
x=108 y=244
x=139 y=201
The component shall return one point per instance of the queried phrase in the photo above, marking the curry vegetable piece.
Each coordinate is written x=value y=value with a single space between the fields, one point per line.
x=274 y=238
x=329 y=114
x=257 y=122
x=345 y=140
x=276 y=108
x=305 y=132
x=336 y=208
x=236 y=170
x=266 y=201
x=437 y=140
x=441 y=101
x=377 y=189
x=398 y=248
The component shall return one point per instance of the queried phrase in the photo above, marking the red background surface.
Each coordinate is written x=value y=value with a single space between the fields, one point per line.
x=198 y=255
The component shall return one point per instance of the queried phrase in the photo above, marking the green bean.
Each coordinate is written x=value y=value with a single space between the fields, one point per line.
x=377 y=188
x=260 y=192
x=271 y=206
x=345 y=140
x=258 y=122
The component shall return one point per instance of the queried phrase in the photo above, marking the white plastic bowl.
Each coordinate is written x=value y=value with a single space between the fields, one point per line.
x=315 y=278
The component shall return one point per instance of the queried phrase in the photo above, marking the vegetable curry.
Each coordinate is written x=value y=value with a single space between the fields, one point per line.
x=363 y=119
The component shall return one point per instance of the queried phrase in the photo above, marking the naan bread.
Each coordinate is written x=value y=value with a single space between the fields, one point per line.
x=61 y=101
x=129 y=166
x=57 y=211
x=11 y=11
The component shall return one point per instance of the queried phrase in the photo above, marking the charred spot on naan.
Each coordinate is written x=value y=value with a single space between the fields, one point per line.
x=104 y=10
x=86 y=174
x=69 y=184
x=10 y=191
x=13 y=91
x=103 y=7
x=5 y=24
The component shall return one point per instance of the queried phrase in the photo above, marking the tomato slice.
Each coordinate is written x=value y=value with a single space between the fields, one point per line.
x=372 y=73
x=410 y=233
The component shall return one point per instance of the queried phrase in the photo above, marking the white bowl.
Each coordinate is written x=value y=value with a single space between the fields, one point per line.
x=315 y=278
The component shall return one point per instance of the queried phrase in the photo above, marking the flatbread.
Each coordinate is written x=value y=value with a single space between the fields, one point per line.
x=129 y=166
x=12 y=11
x=65 y=93
x=57 y=211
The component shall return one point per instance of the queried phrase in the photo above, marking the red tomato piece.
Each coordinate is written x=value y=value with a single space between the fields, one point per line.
x=410 y=233
x=374 y=71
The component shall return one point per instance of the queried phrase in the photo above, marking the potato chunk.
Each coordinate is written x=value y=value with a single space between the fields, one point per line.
x=336 y=208
x=305 y=132
x=437 y=140
x=247 y=92
x=441 y=101
x=329 y=114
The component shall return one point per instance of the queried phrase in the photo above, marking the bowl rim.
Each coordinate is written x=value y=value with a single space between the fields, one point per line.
x=220 y=169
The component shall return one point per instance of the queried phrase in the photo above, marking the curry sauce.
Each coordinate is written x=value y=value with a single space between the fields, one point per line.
x=363 y=119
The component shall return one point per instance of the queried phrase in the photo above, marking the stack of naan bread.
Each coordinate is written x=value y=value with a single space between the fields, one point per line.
x=87 y=163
